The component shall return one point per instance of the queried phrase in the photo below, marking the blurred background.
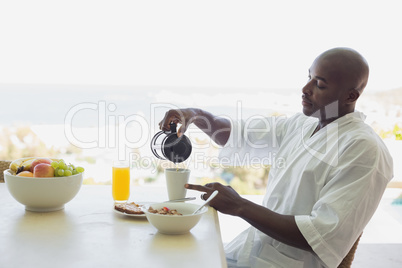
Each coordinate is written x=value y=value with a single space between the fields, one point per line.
x=88 y=81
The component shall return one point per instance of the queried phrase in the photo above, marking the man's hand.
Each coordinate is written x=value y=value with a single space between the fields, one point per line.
x=180 y=116
x=227 y=201
x=217 y=128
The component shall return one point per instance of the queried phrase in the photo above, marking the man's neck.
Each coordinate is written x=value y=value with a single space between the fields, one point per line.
x=322 y=121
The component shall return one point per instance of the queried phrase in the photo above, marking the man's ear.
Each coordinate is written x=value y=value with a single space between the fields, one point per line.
x=352 y=96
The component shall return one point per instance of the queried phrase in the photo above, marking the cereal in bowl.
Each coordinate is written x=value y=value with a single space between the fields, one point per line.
x=164 y=211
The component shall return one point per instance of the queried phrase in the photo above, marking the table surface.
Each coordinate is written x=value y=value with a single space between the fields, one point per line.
x=88 y=233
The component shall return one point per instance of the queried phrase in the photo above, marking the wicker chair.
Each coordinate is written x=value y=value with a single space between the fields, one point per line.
x=347 y=261
x=3 y=166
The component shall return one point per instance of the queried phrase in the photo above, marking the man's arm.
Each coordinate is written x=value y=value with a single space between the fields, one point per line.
x=217 y=128
x=280 y=227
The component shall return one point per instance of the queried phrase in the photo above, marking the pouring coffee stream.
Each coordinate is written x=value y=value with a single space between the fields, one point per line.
x=166 y=145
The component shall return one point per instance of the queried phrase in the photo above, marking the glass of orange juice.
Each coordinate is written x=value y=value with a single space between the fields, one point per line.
x=121 y=181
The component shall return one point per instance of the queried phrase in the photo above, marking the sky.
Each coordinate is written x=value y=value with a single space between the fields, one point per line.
x=216 y=44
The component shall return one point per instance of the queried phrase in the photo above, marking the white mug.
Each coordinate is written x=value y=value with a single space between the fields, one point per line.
x=175 y=181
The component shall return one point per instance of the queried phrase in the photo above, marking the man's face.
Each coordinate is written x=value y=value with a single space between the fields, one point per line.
x=324 y=93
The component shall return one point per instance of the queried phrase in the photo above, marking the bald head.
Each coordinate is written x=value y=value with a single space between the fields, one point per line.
x=348 y=66
x=337 y=76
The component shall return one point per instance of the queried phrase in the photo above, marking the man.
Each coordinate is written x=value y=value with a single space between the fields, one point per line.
x=333 y=174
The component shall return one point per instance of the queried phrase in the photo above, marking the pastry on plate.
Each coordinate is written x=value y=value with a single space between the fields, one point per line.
x=129 y=208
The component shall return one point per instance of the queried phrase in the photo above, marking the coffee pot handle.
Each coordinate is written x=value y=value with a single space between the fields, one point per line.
x=172 y=127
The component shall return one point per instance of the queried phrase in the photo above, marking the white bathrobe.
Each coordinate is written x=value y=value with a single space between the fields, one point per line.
x=332 y=182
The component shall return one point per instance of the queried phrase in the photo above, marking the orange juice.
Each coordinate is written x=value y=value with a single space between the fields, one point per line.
x=121 y=183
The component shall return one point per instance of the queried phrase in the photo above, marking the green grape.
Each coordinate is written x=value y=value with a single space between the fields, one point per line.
x=75 y=172
x=70 y=168
x=56 y=172
x=62 y=164
x=60 y=172
x=54 y=164
x=80 y=169
x=68 y=173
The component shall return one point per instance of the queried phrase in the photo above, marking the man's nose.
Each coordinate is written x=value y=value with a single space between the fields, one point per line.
x=307 y=89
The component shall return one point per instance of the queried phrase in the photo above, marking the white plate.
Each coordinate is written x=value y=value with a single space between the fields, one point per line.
x=130 y=215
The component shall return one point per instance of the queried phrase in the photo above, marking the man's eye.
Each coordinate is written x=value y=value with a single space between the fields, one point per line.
x=319 y=86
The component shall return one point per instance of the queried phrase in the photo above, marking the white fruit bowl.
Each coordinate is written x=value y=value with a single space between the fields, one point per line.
x=43 y=194
x=172 y=224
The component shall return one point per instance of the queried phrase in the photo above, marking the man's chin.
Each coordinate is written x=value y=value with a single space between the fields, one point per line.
x=310 y=112
x=307 y=112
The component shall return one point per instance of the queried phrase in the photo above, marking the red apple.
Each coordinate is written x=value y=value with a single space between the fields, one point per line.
x=43 y=170
x=38 y=161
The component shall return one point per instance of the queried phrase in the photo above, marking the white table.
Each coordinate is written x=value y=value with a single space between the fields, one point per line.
x=88 y=233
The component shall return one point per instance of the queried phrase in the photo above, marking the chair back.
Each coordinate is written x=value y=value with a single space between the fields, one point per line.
x=4 y=164
x=347 y=261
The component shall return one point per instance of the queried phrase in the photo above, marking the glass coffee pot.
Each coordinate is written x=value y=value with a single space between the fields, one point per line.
x=166 y=145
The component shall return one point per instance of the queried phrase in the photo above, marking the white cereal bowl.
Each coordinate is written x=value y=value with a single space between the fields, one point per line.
x=43 y=194
x=173 y=224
